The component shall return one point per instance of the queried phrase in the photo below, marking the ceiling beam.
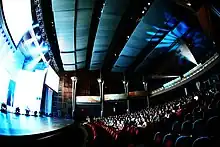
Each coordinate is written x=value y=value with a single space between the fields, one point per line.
x=74 y=35
x=93 y=29
x=146 y=52
x=125 y=28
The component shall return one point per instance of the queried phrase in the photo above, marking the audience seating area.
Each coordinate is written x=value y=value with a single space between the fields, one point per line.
x=183 y=122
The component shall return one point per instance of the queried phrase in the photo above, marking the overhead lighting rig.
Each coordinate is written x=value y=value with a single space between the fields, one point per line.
x=39 y=14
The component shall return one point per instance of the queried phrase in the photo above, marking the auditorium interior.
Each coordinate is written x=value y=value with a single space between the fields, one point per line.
x=110 y=73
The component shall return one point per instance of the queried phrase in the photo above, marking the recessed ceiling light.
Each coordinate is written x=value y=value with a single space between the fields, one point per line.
x=143 y=12
x=148 y=4
x=145 y=8
x=115 y=55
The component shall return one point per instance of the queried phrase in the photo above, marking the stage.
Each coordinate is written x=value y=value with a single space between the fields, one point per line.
x=19 y=125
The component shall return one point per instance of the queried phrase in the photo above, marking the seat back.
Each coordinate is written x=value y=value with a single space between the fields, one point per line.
x=186 y=128
x=176 y=128
x=158 y=138
x=198 y=128
x=169 y=140
x=213 y=127
x=183 y=141
x=202 y=141
x=188 y=116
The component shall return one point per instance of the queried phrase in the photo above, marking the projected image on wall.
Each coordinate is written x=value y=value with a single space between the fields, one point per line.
x=4 y=78
x=52 y=79
x=23 y=66
x=28 y=91
x=14 y=11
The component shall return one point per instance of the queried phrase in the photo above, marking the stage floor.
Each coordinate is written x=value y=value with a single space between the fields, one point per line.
x=13 y=125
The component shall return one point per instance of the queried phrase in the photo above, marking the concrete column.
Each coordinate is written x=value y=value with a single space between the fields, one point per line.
x=186 y=92
x=125 y=83
x=147 y=97
x=198 y=85
x=74 y=82
x=101 y=90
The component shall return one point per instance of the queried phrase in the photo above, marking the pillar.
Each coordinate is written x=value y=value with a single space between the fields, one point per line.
x=125 y=83
x=186 y=92
x=198 y=85
x=146 y=90
x=101 y=90
x=74 y=81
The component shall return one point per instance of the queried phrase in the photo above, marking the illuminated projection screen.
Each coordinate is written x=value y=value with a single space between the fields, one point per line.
x=87 y=99
x=4 y=78
x=52 y=79
x=28 y=91
x=18 y=17
x=115 y=96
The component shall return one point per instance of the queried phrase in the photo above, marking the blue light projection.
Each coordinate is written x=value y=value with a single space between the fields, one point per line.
x=170 y=20
x=161 y=29
x=173 y=36
x=197 y=38
x=154 y=34
x=22 y=69
x=216 y=11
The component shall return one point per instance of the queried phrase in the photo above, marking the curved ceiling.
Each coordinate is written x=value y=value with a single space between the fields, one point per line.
x=127 y=35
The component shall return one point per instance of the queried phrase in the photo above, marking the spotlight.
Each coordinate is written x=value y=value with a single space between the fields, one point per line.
x=17 y=111
x=148 y=4
x=99 y=80
x=3 y=108
x=143 y=12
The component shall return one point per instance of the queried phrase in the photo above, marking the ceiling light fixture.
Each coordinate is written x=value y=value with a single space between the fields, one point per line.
x=148 y=4
x=143 y=12
x=189 y=4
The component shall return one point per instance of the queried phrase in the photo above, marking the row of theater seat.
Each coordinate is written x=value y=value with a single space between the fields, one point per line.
x=189 y=134
x=197 y=128
x=197 y=123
